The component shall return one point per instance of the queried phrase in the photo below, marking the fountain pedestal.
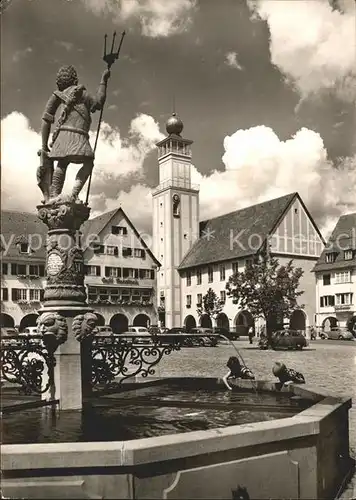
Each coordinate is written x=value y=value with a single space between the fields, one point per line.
x=65 y=309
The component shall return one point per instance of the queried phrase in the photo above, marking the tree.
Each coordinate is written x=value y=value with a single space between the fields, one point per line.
x=211 y=304
x=267 y=289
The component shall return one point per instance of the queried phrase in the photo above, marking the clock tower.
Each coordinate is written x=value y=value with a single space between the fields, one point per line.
x=175 y=218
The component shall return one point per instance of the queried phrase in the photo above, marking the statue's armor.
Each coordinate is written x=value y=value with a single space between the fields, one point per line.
x=72 y=141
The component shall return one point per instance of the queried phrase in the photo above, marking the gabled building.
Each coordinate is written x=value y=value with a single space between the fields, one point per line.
x=196 y=255
x=335 y=273
x=120 y=270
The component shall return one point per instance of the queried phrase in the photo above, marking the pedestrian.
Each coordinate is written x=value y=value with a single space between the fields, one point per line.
x=250 y=334
x=286 y=375
x=236 y=370
x=312 y=333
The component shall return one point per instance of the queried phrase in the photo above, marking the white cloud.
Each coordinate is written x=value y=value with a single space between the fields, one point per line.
x=115 y=156
x=68 y=46
x=231 y=60
x=137 y=204
x=259 y=166
x=119 y=156
x=158 y=18
x=312 y=44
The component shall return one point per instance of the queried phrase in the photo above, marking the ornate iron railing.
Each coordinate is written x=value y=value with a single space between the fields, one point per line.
x=116 y=358
x=25 y=362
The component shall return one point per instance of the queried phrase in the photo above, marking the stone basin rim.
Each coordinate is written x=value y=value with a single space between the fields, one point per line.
x=177 y=446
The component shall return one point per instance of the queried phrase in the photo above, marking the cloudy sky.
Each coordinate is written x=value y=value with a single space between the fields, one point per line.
x=265 y=88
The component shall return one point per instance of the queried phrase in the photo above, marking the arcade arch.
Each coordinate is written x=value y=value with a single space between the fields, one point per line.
x=190 y=323
x=28 y=320
x=243 y=321
x=298 y=320
x=6 y=321
x=119 y=323
x=205 y=321
x=141 y=320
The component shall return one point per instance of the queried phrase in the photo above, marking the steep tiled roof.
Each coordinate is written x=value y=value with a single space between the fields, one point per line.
x=97 y=224
x=342 y=238
x=24 y=226
x=258 y=220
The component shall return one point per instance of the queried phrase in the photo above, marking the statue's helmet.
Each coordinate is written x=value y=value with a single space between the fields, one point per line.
x=66 y=77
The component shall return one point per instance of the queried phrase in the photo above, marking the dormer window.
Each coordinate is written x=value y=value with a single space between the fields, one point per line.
x=348 y=255
x=121 y=230
x=330 y=257
x=24 y=248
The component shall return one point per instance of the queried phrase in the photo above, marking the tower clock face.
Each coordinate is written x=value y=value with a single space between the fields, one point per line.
x=175 y=198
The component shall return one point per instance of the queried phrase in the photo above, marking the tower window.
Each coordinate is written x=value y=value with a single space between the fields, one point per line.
x=176 y=206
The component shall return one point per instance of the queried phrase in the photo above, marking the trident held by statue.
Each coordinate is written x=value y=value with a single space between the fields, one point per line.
x=109 y=58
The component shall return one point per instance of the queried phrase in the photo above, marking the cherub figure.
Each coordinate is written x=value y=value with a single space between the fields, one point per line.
x=286 y=375
x=236 y=371
x=70 y=140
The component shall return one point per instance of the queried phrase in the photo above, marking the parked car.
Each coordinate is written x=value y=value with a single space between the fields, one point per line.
x=104 y=331
x=104 y=334
x=30 y=330
x=157 y=330
x=7 y=336
x=229 y=334
x=141 y=333
x=288 y=339
x=208 y=339
x=337 y=334
x=178 y=329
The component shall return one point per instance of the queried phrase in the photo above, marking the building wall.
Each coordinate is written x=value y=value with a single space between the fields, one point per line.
x=296 y=235
x=32 y=286
x=341 y=313
x=230 y=309
x=122 y=292
x=307 y=283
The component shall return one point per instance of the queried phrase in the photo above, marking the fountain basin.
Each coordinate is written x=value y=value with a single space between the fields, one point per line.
x=301 y=456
